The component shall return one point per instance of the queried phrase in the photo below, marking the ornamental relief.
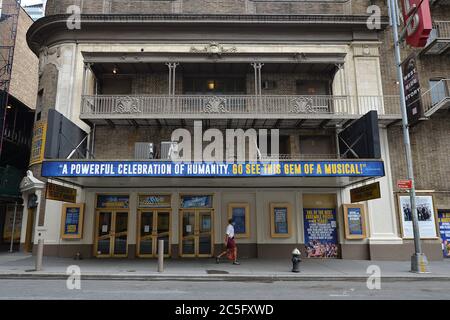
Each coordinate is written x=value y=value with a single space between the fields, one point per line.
x=127 y=105
x=215 y=105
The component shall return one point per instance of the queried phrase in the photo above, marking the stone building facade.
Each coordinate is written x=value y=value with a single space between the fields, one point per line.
x=307 y=68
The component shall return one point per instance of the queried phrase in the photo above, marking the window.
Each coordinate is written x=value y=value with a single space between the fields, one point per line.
x=439 y=90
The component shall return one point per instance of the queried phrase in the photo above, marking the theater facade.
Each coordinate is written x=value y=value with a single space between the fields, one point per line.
x=102 y=180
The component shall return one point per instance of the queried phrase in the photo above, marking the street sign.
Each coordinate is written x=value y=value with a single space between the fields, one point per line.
x=364 y=193
x=404 y=184
x=413 y=94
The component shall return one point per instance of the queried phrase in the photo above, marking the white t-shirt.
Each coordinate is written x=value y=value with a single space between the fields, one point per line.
x=230 y=231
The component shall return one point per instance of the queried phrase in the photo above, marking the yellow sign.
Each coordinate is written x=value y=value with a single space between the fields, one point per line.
x=61 y=193
x=364 y=193
x=38 y=142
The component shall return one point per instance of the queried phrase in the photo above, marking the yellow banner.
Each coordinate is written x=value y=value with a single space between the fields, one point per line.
x=38 y=142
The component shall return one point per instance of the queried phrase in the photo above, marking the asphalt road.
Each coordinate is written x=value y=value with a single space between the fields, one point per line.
x=186 y=290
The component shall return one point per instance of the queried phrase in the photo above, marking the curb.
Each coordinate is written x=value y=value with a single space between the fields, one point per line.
x=212 y=278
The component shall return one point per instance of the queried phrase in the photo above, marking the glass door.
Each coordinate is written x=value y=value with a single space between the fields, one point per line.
x=145 y=234
x=120 y=234
x=153 y=225
x=187 y=238
x=104 y=233
x=112 y=234
x=196 y=233
x=204 y=233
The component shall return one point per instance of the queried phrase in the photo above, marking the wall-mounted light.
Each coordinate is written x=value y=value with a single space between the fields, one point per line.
x=211 y=85
x=115 y=70
x=8 y=107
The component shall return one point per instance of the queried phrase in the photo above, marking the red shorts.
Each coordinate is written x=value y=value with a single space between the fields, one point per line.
x=231 y=244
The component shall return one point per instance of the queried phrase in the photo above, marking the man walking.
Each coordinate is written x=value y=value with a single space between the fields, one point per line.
x=231 y=249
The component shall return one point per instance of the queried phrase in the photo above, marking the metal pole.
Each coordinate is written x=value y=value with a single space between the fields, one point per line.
x=13 y=229
x=160 y=255
x=418 y=260
x=39 y=254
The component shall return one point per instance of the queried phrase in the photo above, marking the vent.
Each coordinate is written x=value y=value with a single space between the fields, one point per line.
x=143 y=150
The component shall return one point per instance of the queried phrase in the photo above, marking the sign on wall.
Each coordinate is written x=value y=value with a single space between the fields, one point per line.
x=38 y=142
x=444 y=229
x=354 y=221
x=207 y=169
x=240 y=213
x=280 y=220
x=320 y=233
x=113 y=201
x=425 y=213
x=194 y=201
x=72 y=221
x=365 y=193
x=420 y=26
x=154 y=201
x=411 y=83
x=60 y=193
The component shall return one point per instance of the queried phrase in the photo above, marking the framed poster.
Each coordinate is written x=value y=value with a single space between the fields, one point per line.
x=72 y=221
x=280 y=220
x=240 y=212
x=320 y=233
x=425 y=213
x=354 y=221
x=444 y=229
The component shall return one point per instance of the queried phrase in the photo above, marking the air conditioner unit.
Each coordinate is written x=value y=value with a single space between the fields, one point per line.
x=166 y=150
x=143 y=150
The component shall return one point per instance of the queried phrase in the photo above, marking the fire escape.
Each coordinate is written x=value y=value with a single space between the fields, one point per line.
x=9 y=15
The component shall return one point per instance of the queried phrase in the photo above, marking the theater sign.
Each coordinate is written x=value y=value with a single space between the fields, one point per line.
x=420 y=26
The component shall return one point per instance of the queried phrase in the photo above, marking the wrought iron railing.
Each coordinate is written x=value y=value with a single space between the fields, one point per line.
x=436 y=96
x=442 y=29
x=141 y=106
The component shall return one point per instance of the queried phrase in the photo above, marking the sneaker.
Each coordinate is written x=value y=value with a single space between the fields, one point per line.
x=217 y=260
x=236 y=263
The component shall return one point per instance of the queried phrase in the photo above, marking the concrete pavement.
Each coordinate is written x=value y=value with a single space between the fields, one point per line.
x=18 y=265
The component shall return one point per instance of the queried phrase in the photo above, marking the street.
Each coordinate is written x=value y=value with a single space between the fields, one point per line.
x=223 y=290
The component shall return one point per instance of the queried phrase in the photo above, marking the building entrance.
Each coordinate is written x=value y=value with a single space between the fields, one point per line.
x=196 y=232
x=111 y=233
x=153 y=225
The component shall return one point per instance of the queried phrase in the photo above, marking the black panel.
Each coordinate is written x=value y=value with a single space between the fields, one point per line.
x=63 y=136
x=363 y=137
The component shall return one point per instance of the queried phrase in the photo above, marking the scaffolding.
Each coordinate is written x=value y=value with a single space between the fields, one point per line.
x=9 y=17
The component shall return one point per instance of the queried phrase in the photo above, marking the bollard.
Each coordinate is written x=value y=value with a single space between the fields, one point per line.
x=39 y=254
x=160 y=255
x=296 y=260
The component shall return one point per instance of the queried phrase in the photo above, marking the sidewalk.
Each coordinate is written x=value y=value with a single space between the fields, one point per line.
x=18 y=265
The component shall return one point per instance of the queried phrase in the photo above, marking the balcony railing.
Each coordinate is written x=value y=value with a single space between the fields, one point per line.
x=439 y=40
x=17 y=136
x=437 y=97
x=232 y=106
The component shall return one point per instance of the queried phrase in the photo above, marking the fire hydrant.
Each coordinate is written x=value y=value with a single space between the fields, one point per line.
x=296 y=260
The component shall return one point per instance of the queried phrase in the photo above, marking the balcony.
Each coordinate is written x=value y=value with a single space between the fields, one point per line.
x=437 y=97
x=264 y=110
x=439 y=41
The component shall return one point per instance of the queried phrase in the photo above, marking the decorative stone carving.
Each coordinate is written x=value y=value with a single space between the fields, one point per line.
x=30 y=183
x=49 y=56
x=214 y=49
x=127 y=105
x=302 y=105
x=216 y=105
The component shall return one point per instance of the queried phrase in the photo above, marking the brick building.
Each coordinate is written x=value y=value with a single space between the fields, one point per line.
x=18 y=127
x=137 y=70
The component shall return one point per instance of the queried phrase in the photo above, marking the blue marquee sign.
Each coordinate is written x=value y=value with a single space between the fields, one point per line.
x=211 y=169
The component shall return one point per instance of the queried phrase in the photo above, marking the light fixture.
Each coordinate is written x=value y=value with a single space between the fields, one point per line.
x=211 y=85
x=115 y=70
x=8 y=107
